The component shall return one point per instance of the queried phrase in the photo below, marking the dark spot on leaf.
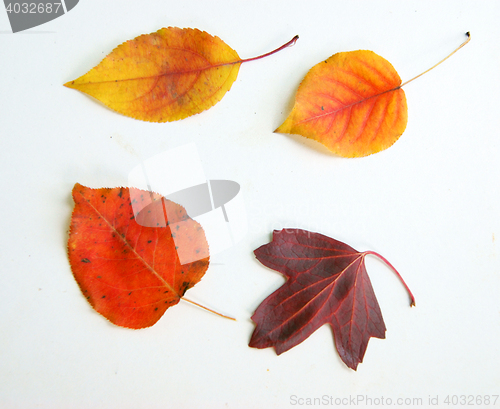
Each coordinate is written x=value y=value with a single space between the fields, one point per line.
x=120 y=193
x=85 y=260
x=156 y=309
x=103 y=296
x=149 y=241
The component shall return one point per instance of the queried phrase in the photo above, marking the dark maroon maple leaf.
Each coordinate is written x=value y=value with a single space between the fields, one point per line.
x=327 y=283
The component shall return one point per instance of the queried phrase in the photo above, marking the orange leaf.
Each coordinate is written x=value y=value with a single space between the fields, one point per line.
x=164 y=76
x=130 y=273
x=352 y=103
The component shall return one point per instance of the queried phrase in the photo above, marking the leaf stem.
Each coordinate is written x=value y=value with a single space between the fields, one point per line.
x=434 y=66
x=412 y=304
x=208 y=309
x=290 y=43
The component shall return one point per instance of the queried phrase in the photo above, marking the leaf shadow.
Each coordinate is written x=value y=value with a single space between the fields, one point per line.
x=312 y=144
x=69 y=206
x=102 y=105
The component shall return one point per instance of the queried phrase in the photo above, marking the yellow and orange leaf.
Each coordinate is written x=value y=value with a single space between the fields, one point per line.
x=352 y=103
x=164 y=76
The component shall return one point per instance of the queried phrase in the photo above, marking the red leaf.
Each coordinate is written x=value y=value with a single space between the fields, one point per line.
x=327 y=283
x=128 y=272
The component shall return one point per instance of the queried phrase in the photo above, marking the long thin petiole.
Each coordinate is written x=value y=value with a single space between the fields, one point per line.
x=290 y=43
x=444 y=59
x=412 y=304
x=208 y=309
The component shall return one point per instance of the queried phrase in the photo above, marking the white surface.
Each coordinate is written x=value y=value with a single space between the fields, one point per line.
x=430 y=204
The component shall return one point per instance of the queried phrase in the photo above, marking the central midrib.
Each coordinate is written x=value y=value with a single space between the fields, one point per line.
x=196 y=70
x=348 y=106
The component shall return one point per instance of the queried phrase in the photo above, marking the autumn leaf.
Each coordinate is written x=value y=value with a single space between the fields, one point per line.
x=165 y=76
x=326 y=282
x=130 y=273
x=352 y=103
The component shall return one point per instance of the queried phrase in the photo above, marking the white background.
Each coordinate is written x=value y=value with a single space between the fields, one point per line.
x=430 y=204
